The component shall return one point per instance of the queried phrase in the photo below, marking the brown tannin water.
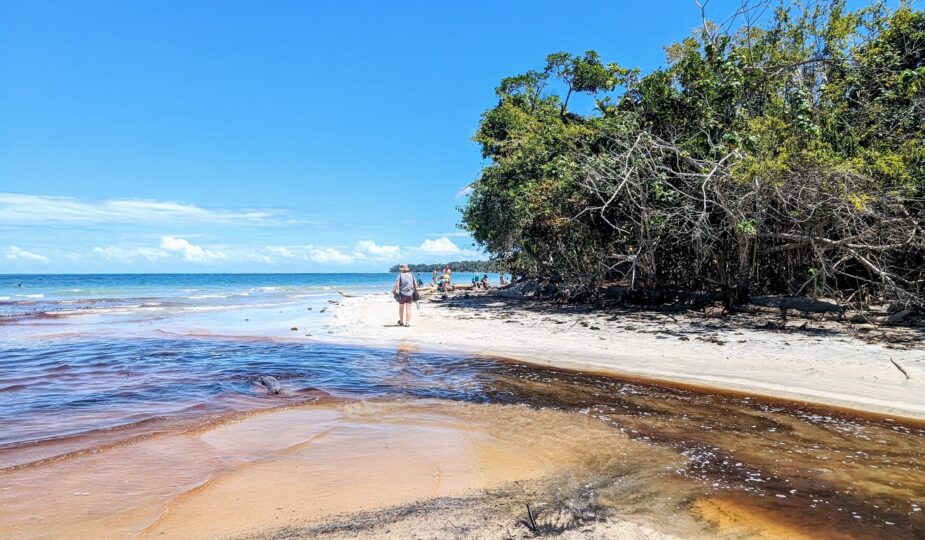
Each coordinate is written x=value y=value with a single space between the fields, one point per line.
x=742 y=465
x=828 y=474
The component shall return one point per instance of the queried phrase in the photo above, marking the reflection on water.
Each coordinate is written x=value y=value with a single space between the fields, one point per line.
x=830 y=474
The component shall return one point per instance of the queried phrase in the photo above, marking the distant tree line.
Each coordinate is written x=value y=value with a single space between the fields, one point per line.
x=458 y=266
x=780 y=151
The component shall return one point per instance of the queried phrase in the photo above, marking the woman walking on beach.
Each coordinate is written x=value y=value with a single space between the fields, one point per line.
x=404 y=290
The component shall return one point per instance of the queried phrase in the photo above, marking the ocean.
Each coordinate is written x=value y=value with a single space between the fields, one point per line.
x=36 y=295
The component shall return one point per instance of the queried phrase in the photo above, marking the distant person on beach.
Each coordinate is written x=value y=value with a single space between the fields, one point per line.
x=404 y=290
x=434 y=278
x=443 y=282
x=485 y=284
x=503 y=281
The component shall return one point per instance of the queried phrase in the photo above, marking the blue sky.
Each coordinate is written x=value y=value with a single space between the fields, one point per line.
x=227 y=136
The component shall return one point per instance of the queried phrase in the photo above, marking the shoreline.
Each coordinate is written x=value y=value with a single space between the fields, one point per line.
x=821 y=366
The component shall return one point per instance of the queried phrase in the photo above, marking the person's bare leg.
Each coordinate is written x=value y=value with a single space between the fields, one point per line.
x=408 y=314
x=401 y=320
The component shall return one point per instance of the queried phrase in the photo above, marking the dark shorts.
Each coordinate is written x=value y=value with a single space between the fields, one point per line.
x=402 y=299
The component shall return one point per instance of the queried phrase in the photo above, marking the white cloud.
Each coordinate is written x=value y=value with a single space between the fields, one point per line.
x=331 y=255
x=363 y=250
x=170 y=245
x=366 y=253
x=21 y=208
x=281 y=251
x=371 y=248
x=115 y=253
x=440 y=246
x=15 y=252
x=190 y=252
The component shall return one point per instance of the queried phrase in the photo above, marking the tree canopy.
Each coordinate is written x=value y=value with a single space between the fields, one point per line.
x=782 y=151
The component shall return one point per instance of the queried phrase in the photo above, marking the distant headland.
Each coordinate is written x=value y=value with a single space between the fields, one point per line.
x=458 y=266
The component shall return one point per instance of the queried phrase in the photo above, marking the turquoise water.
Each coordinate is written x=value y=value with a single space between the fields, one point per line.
x=190 y=286
x=18 y=287
x=35 y=296
x=38 y=296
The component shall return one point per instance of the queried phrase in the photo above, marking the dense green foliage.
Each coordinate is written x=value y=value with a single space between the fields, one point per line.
x=780 y=153
x=458 y=266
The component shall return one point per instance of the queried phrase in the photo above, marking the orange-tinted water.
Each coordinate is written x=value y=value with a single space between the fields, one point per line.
x=743 y=465
x=827 y=473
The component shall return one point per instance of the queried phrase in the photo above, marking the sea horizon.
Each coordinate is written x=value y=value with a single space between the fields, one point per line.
x=187 y=273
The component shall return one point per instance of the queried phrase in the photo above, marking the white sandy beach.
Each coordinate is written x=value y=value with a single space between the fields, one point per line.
x=821 y=364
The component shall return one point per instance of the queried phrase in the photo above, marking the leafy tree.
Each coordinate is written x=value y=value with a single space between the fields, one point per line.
x=783 y=157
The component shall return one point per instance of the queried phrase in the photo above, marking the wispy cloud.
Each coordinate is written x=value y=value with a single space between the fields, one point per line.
x=464 y=192
x=283 y=252
x=17 y=253
x=363 y=250
x=127 y=255
x=451 y=234
x=19 y=208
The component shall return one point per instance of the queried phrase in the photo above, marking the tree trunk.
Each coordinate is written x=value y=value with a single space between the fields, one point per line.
x=743 y=272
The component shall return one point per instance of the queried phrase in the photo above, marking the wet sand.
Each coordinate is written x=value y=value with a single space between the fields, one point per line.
x=296 y=471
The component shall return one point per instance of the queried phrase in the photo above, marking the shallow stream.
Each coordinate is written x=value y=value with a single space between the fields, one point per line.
x=822 y=472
